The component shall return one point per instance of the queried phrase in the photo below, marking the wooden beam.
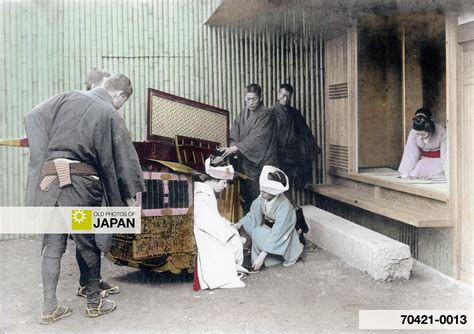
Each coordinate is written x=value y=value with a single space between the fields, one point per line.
x=403 y=212
x=399 y=186
x=465 y=32
x=23 y=142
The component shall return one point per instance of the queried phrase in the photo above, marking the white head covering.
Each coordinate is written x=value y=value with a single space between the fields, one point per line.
x=221 y=173
x=269 y=186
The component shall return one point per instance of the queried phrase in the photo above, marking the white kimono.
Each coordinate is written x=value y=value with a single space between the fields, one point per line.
x=220 y=248
x=416 y=166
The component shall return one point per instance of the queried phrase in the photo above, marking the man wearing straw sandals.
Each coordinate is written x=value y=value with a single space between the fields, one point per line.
x=80 y=150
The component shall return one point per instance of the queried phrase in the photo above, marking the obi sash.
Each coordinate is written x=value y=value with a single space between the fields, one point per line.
x=431 y=154
x=268 y=222
x=62 y=170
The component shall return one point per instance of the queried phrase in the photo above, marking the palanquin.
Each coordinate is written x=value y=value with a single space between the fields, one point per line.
x=181 y=134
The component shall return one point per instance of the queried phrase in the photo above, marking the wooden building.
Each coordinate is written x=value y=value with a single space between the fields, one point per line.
x=382 y=61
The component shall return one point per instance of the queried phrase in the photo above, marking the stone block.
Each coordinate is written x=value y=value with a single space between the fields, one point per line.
x=383 y=258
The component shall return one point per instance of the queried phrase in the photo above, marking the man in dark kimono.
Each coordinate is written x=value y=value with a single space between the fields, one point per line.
x=296 y=146
x=80 y=150
x=296 y=149
x=252 y=140
x=95 y=78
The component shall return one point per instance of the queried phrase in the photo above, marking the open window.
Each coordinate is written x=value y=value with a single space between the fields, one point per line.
x=401 y=67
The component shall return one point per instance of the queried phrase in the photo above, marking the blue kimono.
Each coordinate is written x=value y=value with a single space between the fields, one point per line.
x=281 y=241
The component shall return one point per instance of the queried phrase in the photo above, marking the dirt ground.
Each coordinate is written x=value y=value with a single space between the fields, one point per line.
x=320 y=294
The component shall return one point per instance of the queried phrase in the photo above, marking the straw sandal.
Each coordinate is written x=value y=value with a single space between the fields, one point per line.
x=106 y=289
x=58 y=314
x=105 y=306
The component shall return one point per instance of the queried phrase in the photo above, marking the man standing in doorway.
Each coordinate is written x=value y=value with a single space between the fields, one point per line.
x=252 y=140
x=80 y=150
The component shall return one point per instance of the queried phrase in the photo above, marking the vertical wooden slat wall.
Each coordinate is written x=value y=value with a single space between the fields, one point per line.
x=49 y=46
x=282 y=47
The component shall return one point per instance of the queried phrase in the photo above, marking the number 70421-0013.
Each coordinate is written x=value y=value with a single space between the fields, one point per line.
x=443 y=319
x=416 y=319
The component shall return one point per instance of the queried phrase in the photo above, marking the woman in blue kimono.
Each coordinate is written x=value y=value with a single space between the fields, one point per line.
x=271 y=223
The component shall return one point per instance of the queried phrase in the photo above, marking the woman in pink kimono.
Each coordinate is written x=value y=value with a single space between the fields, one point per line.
x=425 y=154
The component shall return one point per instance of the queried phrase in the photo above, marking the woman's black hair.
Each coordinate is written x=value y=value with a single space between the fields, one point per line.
x=277 y=176
x=217 y=161
x=423 y=121
x=214 y=162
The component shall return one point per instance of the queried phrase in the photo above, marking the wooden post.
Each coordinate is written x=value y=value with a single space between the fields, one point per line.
x=464 y=199
x=453 y=141
x=404 y=97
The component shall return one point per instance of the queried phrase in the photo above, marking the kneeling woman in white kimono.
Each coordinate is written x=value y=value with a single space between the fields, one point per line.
x=271 y=222
x=220 y=248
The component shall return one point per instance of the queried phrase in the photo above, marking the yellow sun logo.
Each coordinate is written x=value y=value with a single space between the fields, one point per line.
x=81 y=219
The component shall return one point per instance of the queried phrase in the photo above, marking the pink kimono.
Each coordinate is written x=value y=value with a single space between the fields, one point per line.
x=425 y=160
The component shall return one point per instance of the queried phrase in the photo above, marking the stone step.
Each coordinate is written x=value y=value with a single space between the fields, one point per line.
x=383 y=258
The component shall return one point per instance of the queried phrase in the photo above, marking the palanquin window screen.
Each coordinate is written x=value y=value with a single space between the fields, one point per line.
x=166 y=194
x=170 y=116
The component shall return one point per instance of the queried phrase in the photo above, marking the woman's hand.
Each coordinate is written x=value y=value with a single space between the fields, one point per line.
x=259 y=261
x=131 y=202
x=237 y=225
